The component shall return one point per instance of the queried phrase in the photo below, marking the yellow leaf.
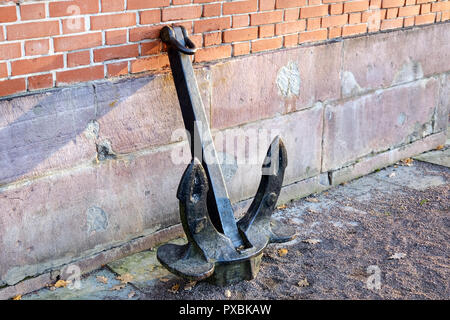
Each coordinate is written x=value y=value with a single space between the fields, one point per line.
x=18 y=297
x=125 y=278
x=61 y=283
x=118 y=287
x=227 y=293
x=312 y=241
x=303 y=283
x=163 y=279
x=283 y=206
x=175 y=288
x=312 y=200
x=282 y=252
x=102 y=279
x=190 y=285
x=440 y=147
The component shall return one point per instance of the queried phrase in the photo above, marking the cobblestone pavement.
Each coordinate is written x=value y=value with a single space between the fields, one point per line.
x=383 y=236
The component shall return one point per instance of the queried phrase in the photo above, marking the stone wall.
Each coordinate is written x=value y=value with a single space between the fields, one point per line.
x=87 y=172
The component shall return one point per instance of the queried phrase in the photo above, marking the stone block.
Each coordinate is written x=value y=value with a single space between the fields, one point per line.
x=378 y=121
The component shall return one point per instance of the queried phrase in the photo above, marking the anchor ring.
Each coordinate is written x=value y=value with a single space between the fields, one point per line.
x=168 y=36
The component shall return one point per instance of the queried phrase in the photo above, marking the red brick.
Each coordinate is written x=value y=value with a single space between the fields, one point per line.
x=392 y=24
x=425 y=8
x=240 y=7
x=354 y=18
x=120 y=52
x=78 y=75
x=10 y=51
x=290 y=27
x=144 y=4
x=8 y=14
x=240 y=34
x=2 y=36
x=313 y=23
x=42 y=81
x=117 y=20
x=32 y=30
x=83 y=41
x=240 y=49
x=213 y=53
x=409 y=21
x=265 y=5
x=113 y=5
x=425 y=19
x=392 y=3
x=267 y=44
x=311 y=36
x=8 y=87
x=335 y=32
x=440 y=6
x=266 y=17
x=211 y=24
x=409 y=11
x=333 y=21
x=116 y=36
x=392 y=13
x=181 y=13
x=241 y=21
x=291 y=40
x=352 y=30
x=149 y=63
x=267 y=30
x=117 y=69
x=35 y=65
x=356 y=6
x=73 y=25
x=76 y=7
x=316 y=11
x=150 y=16
x=32 y=11
x=212 y=39
x=153 y=47
x=3 y=70
x=80 y=58
x=37 y=47
x=291 y=14
x=280 y=4
x=211 y=10
x=336 y=8
x=141 y=33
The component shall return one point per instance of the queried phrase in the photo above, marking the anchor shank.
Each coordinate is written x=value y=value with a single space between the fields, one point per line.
x=201 y=141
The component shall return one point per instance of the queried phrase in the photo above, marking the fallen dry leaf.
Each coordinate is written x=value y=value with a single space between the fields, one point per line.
x=312 y=241
x=164 y=279
x=131 y=294
x=283 y=206
x=61 y=283
x=303 y=283
x=392 y=175
x=440 y=147
x=175 y=288
x=102 y=279
x=282 y=252
x=125 y=278
x=227 y=293
x=407 y=162
x=118 y=287
x=18 y=297
x=397 y=256
x=312 y=210
x=190 y=285
x=315 y=200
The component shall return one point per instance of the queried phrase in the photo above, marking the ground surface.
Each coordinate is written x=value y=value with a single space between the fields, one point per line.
x=394 y=223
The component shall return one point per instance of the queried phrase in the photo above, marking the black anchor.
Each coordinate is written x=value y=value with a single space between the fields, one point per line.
x=219 y=247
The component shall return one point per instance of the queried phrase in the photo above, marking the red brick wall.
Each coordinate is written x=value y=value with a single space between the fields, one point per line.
x=54 y=43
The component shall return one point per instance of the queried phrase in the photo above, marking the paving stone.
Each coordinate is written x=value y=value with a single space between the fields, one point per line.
x=412 y=177
x=440 y=157
x=90 y=289
x=144 y=267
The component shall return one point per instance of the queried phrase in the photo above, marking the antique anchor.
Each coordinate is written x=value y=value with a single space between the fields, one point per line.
x=219 y=249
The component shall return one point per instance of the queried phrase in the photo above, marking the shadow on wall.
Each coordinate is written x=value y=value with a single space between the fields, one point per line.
x=57 y=129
